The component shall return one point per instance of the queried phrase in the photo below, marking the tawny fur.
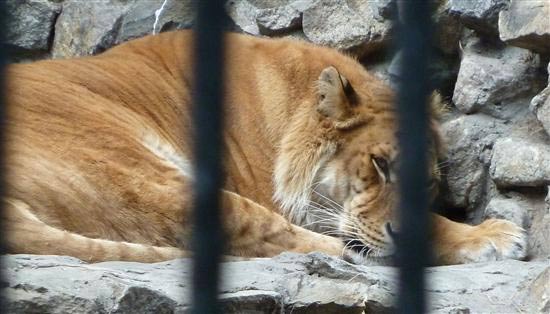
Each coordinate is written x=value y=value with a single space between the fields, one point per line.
x=99 y=155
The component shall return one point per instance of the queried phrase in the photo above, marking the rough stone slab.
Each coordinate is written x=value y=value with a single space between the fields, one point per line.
x=538 y=296
x=481 y=288
x=252 y=301
x=494 y=76
x=354 y=25
x=87 y=27
x=313 y=283
x=526 y=24
x=30 y=25
x=517 y=162
x=479 y=15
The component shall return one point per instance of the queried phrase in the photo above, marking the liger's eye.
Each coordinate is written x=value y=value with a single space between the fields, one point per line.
x=381 y=163
x=382 y=167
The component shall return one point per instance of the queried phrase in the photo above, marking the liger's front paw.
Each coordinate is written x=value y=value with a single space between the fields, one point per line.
x=493 y=240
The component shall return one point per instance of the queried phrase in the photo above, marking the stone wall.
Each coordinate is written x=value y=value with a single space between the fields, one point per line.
x=491 y=65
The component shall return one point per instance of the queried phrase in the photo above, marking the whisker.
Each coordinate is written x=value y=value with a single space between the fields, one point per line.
x=318 y=222
x=366 y=248
x=321 y=207
x=315 y=213
x=369 y=252
x=328 y=199
x=338 y=233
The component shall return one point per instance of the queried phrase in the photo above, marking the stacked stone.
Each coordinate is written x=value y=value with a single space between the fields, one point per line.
x=44 y=28
x=499 y=150
x=62 y=29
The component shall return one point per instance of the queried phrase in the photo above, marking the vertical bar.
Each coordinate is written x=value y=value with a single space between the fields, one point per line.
x=207 y=116
x=414 y=41
x=3 y=58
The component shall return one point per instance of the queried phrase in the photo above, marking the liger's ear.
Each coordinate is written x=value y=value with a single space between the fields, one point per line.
x=333 y=89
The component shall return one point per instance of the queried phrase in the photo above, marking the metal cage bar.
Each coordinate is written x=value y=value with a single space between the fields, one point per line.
x=3 y=57
x=413 y=254
x=207 y=237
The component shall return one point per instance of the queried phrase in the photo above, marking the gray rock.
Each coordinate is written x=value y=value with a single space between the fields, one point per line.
x=386 y=8
x=509 y=209
x=252 y=301
x=493 y=76
x=313 y=283
x=86 y=28
x=479 y=15
x=443 y=71
x=517 y=162
x=528 y=209
x=266 y=4
x=267 y=17
x=155 y=16
x=137 y=299
x=381 y=70
x=449 y=291
x=279 y=20
x=243 y=14
x=526 y=24
x=540 y=237
x=540 y=105
x=297 y=35
x=30 y=25
x=449 y=29
x=540 y=232
x=538 y=298
x=353 y=25
x=469 y=139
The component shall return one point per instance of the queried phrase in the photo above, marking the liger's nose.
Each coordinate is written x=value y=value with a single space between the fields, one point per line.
x=391 y=232
x=433 y=183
